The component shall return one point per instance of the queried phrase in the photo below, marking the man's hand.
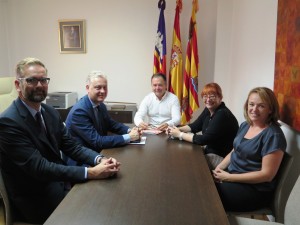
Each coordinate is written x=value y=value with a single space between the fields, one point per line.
x=143 y=126
x=162 y=127
x=106 y=168
x=134 y=134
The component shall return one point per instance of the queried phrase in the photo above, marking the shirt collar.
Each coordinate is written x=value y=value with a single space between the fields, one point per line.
x=163 y=97
x=31 y=110
x=93 y=104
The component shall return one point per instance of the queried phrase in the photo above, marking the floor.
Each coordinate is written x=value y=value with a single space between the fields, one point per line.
x=259 y=217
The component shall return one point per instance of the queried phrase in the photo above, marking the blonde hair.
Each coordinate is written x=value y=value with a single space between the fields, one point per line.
x=27 y=62
x=268 y=97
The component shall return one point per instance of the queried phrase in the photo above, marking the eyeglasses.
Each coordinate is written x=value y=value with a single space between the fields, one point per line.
x=34 y=81
x=211 y=97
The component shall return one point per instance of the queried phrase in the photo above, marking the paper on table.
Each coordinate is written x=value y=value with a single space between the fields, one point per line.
x=151 y=131
x=142 y=142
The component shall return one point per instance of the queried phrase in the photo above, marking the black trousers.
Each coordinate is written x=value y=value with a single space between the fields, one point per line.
x=36 y=208
x=240 y=197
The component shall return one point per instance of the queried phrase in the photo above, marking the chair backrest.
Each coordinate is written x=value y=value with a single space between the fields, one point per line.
x=292 y=209
x=8 y=92
x=293 y=149
x=280 y=195
x=7 y=209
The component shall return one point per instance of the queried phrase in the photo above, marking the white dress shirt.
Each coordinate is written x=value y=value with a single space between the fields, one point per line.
x=166 y=110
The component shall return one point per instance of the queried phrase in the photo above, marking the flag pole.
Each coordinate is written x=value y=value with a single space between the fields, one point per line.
x=159 y=64
x=190 y=102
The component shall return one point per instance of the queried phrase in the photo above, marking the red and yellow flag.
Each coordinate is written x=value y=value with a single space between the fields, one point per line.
x=175 y=72
x=190 y=101
x=159 y=65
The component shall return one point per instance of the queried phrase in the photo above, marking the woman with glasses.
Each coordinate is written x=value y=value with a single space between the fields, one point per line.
x=217 y=124
x=245 y=179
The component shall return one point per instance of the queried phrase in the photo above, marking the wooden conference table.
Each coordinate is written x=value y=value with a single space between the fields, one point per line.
x=163 y=182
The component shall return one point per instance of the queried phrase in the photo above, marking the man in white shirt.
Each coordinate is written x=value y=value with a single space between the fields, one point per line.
x=160 y=106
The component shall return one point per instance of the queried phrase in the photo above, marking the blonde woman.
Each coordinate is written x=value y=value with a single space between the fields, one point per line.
x=245 y=179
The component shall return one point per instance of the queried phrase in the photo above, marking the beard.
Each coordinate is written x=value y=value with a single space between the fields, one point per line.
x=36 y=95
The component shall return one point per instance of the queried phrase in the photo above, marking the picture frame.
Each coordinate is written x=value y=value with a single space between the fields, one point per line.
x=72 y=36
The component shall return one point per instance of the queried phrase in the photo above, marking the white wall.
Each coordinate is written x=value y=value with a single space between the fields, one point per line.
x=236 y=40
x=4 y=53
x=120 y=41
x=245 y=54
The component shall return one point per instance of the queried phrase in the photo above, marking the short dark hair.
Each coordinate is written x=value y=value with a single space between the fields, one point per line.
x=159 y=75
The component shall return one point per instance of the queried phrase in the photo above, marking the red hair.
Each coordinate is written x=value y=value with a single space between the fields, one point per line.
x=212 y=89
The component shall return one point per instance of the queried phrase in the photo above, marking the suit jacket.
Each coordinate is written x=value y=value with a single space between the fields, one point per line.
x=82 y=125
x=31 y=163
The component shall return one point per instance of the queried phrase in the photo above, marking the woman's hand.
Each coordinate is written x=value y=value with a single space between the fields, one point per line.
x=173 y=131
x=220 y=175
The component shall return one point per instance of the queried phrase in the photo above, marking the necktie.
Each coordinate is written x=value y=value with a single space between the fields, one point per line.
x=43 y=130
x=38 y=117
x=97 y=110
x=99 y=118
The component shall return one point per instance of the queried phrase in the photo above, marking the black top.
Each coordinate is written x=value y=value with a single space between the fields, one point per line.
x=218 y=130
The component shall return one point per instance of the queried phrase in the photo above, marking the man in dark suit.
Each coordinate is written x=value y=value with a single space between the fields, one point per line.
x=32 y=137
x=89 y=122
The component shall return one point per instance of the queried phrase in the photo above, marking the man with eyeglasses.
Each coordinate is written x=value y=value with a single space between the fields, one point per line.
x=32 y=137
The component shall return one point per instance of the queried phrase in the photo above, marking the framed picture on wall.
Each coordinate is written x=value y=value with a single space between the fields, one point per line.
x=72 y=36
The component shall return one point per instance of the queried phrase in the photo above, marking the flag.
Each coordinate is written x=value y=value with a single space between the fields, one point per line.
x=160 y=45
x=175 y=72
x=190 y=101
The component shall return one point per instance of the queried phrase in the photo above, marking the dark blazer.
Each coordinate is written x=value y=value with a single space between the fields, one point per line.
x=83 y=126
x=31 y=163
